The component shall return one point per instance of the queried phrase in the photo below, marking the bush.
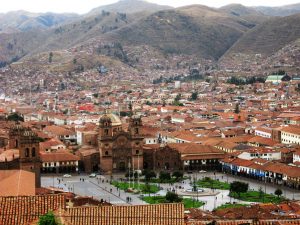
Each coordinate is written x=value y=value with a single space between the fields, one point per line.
x=239 y=187
x=164 y=176
x=172 y=197
x=149 y=175
x=47 y=219
x=178 y=174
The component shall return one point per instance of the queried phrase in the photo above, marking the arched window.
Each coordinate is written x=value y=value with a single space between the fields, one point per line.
x=137 y=152
x=106 y=153
x=33 y=152
x=106 y=131
x=27 y=152
x=136 y=130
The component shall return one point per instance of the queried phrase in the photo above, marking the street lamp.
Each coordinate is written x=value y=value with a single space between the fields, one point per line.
x=129 y=166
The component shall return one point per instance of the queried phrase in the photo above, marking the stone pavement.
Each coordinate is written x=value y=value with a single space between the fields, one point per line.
x=100 y=188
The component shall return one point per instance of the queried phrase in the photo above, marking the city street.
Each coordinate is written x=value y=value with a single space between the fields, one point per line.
x=100 y=188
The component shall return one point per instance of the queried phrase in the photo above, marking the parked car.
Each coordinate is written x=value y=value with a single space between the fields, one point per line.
x=67 y=175
x=93 y=175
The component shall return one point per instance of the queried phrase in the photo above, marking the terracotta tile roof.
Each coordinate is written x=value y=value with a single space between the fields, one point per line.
x=60 y=156
x=263 y=141
x=23 y=210
x=58 y=130
x=52 y=142
x=162 y=214
x=87 y=150
x=292 y=129
x=191 y=148
x=16 y=183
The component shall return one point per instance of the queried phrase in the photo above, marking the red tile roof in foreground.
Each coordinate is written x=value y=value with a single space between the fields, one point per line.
x=161 y=214
x=24 y=210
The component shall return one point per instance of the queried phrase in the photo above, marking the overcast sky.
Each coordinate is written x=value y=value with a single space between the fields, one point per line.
x=83 y=6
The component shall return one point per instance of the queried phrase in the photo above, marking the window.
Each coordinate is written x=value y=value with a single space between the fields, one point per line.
x=106 y=131
x=106 y=153
x=136 y=130
x=27 y=152
x=137 y=152
x=33 y=152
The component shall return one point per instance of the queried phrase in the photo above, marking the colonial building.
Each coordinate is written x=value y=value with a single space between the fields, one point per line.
x=22 y=152
x=120 y=150
x=182 y=156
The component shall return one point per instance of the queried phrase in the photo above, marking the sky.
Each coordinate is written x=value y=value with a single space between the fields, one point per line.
x=84 y=6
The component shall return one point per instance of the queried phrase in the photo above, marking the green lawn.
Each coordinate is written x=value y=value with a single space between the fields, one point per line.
x=143 y=187
x=210 y=183
x=157 y=180
x=188 y=203
x=227 y=206
x=255 y=196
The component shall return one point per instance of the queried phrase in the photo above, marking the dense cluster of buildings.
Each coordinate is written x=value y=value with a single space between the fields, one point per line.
x=250 y=130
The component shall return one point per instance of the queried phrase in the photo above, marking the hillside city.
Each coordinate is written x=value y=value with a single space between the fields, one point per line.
x=140 y=124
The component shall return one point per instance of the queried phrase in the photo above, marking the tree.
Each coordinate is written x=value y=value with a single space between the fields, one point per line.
x=279 y=72
x=177 y=98
x=96 y=95
x=47 y=219
x=147 y=188
x=164 y=175
x=237 y=108
x=260 y=193
x=15 y=117
x=194 y=96
x=278 y=192
x=172 y=197
x=149 y=175
x=50 y=57
x=178 y=175
x=238 y=187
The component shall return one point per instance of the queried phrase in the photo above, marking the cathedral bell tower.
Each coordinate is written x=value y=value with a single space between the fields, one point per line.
x=106 y=143
x=135 y=125
x=137 y=141
x=27 y=142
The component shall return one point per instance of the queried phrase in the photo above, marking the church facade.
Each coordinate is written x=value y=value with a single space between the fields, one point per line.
x=120 y=150
x=22 y=152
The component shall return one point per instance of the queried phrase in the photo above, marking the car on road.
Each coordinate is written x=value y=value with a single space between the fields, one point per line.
x=92 y=175
x=67 y=175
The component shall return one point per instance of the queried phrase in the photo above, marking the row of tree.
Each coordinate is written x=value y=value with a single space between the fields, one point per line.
x=245 y=80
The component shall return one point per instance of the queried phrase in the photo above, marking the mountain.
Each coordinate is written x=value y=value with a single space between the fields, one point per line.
x=269 y=37
x=16 y=45
x=195 y=29
x=25 y=21
x=279 y=11
x=247 y=13
x=130 y=6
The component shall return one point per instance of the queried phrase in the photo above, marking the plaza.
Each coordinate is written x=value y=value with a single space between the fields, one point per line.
x=101 y=189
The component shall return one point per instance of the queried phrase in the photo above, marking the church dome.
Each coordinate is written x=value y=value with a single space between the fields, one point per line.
x=114 y=119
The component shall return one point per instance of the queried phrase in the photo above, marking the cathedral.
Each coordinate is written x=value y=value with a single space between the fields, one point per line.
x=120 y=150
